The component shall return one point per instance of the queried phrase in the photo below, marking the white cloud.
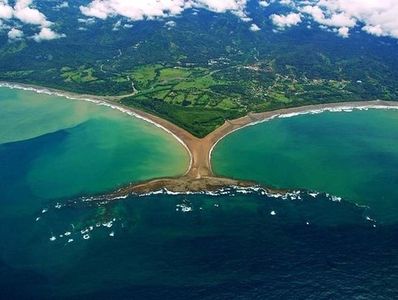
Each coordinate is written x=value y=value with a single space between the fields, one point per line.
x=254 y=28
x=135 y=10
x=340 y=19
x=376 y=30
x=344 y=32
x=88 y=21
x=139 y=10
x=46 y=34
x=6 y=11
x=28 y=15
x=24 y=12
x=15 y=34
x=170 y=24
x=264 y=3
x=221 y=6
x=288 y=2
x=377 y=17
x=64 y=4
x=283 y=21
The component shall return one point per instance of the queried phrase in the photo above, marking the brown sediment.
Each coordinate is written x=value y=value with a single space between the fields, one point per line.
x=181 y=185
x=199 y=176
x=201 y=148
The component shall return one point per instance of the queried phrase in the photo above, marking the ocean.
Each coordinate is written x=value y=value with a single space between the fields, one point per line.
x=338 y=243
x=353 y=155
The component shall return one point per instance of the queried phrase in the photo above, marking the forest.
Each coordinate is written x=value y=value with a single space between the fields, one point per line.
x=203 y=68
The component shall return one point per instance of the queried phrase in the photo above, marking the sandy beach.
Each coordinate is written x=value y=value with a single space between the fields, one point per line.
x=201 y=149
x=199 y=176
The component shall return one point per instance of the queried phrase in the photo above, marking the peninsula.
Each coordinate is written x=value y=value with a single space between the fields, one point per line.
x=199 y=176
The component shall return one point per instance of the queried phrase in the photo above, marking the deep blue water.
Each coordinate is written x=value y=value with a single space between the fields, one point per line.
x=228 y=247
x=55 y=245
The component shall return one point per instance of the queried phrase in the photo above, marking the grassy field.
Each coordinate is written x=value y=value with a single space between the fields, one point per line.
x=200 y=99
x=184 y=96
x=208 y=68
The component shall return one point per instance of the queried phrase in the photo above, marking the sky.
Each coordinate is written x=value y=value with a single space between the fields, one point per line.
x=375 y=17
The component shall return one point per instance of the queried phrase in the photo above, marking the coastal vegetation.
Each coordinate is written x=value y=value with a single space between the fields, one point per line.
x=130 y=166
x=205 y=68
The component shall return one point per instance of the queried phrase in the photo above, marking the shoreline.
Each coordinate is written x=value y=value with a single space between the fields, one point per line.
x=308 y=110
x=102 y=101
x=200 y=176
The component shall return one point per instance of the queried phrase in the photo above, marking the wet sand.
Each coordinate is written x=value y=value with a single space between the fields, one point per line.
x=201 y=148
x=199 y=176
x=181 y=185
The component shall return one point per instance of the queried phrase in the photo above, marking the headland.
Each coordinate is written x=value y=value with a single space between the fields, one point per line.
x=199 y=176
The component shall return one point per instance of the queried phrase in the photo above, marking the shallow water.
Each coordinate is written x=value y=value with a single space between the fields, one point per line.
x=240 y=244
x=350 y=154
x=51 y=147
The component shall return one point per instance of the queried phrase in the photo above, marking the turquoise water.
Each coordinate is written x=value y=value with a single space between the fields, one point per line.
x=57 y=245
x=58 y=148
x=349 y=154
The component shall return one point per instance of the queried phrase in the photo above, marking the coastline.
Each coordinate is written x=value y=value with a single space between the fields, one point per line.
x=200 y=176
x=112 y=104
x=298 y=111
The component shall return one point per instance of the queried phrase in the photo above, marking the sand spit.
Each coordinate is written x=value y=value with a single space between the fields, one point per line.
x=200 y=176
x=182 y=185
